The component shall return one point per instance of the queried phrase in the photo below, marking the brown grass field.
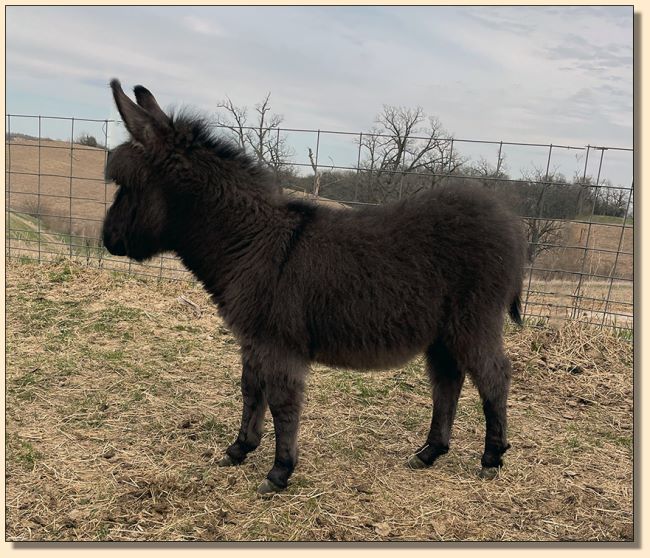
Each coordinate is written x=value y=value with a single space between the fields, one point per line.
x=121 y=398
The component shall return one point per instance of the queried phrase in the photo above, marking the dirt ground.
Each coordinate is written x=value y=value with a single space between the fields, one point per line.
x=121 y=397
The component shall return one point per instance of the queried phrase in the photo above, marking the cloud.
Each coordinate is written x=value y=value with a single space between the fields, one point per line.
x=588 y=55
x=197 y=25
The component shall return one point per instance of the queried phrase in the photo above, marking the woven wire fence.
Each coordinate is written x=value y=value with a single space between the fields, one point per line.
x=578 y=217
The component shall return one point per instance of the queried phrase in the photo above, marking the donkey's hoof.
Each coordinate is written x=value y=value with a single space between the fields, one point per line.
x=268 y=488
x=489 y=473
x=226 y=461
x=415 y=462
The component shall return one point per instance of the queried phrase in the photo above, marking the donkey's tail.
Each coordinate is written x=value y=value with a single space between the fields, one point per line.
x=515 y=310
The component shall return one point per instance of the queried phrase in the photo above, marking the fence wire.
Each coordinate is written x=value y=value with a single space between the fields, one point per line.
x=580 y=226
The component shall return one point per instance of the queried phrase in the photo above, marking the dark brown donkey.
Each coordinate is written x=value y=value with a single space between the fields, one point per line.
x=297 y=283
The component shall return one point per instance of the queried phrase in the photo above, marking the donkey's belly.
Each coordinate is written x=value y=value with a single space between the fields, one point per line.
x=367 y=359
x=377 y=339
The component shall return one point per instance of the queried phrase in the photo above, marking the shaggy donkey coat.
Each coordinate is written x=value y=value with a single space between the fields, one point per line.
x=296 y=283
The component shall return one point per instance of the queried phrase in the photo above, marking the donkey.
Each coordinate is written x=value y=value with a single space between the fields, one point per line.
x=299 y=283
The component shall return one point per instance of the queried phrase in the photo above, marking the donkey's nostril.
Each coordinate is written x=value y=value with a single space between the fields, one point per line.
x=119 y=248
x=116 y=247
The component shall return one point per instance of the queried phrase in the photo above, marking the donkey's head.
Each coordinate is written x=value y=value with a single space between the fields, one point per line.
x=137 y=224
x=171 y=169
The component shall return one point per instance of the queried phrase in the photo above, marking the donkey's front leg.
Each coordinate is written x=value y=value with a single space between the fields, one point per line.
x=252 y=421
x=284 y=391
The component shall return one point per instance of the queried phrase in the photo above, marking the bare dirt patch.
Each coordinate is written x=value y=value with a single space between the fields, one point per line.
x=121 y=398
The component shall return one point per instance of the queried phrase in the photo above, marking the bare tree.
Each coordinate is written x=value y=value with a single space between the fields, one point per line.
x=484 y=169
x=317 y=174
x=235 y=120
x=263 y=136
x=545 y=227
x=405 y=144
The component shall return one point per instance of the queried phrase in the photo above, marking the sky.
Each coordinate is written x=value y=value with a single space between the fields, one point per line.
x=560 y=75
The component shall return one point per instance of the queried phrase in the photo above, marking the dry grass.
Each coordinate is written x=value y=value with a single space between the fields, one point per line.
x=609 y=251
x=120 y=398
x=598 y=302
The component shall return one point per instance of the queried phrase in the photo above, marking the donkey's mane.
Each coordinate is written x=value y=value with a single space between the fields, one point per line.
x=194 y=130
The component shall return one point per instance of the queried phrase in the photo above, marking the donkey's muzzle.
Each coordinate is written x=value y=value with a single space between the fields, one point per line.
x=115 y=245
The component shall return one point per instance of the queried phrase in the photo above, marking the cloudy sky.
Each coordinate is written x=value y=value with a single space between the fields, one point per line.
x=559 y=75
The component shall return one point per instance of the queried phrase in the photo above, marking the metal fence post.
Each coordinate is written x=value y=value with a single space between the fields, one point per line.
x=38 y=201
x=618 y=252
x=579 y=295
x=451 y=152
x=71 y=174
x=99 y=243
x=316 y=180
x=532 y=267
x=499 y=158
x=8 y=180
x=356 y=183
x=574 y=303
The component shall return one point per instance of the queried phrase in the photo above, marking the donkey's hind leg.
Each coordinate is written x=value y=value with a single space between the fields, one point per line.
x=493 y=383
x=479 y=351
x=446 y=382
x=250 y=432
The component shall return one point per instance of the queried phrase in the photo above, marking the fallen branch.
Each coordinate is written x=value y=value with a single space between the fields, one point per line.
x=195 y=307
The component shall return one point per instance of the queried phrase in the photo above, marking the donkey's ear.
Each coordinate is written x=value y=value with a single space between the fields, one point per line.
x=147 y=101
x=141 y=124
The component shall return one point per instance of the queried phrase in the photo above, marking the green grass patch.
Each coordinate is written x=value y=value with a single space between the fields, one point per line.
x=33 y=377
x=212 y=428
x=620 y=440
x=608 y=219
x=108 y=319
x=40 y=315
x=624 y=334
x=23 y=452
x=22 y=221
x=61 y=275
x=113 y=355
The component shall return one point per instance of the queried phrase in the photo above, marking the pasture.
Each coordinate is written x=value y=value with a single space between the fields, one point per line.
x=123 y=392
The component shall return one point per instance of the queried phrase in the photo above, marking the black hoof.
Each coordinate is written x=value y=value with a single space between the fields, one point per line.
x=489 y=473
x=493 y=457
x=268 y=488
x=227 y=461
x=415 y=462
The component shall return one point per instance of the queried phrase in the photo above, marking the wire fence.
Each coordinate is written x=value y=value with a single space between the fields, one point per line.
x=578 y=216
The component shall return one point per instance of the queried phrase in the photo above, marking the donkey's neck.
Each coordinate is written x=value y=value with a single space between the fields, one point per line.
x=234 y=237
